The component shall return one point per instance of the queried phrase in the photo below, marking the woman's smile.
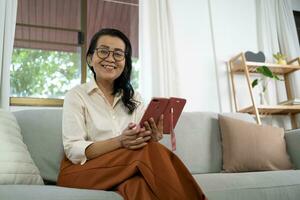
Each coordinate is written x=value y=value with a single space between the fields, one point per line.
x=108 y=65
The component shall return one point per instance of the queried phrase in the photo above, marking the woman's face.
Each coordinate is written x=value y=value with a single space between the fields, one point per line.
x=108 y=59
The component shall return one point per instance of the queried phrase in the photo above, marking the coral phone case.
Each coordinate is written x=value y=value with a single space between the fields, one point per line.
x=171 y=108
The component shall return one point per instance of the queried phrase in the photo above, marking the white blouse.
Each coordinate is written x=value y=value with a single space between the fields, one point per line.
x=89 y=117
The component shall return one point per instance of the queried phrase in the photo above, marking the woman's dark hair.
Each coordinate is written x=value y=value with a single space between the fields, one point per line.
x=122 y=83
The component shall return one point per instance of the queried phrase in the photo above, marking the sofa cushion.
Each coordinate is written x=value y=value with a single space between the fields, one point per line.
x=198 y=140
x=275 y=185
x=34 y=192
x=17 y=166
x=252 y=147
x=41 y=130
x=292 y=139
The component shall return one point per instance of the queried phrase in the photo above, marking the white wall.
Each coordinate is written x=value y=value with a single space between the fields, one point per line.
x=207 y=34
x=296 y=4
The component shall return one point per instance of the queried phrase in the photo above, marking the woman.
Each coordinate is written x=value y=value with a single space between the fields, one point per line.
x=105 y=147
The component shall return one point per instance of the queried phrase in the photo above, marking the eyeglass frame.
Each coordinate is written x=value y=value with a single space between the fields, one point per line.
x=109 y=51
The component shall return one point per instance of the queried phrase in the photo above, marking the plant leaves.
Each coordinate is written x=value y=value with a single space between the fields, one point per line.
x=279 y=56
x=264 y=70
x=254 y=83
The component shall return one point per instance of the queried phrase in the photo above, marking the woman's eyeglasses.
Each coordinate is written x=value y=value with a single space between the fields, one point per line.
x=103 y=53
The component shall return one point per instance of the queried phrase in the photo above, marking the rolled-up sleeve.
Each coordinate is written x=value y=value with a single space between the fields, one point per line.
x=74 y=129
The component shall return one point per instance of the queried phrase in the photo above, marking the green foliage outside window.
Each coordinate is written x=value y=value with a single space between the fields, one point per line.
x=39 y=73
x=47 y=74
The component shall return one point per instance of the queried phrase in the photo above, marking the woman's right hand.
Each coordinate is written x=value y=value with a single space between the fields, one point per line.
x=134 y=137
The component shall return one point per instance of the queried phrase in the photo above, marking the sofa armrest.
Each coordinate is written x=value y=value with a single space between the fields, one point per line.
x=292 y=139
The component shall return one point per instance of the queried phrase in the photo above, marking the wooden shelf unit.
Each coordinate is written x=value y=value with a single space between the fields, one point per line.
x=239 y=65
x=275 y=68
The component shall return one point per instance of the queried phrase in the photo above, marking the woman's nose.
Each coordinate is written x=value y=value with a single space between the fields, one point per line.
x=110 y=57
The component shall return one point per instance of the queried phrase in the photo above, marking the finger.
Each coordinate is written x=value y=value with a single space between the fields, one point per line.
x=139 y=140
x=138 y=146
x=131 y=141
x=147 y=126
x=146 y=138
x=131 y=125
x=142 y=129
x=131 y=132
x=144 y=134
x=136 y=141
x=130 y=137
x=152 y=124
x=160 y=125
x=136 y=127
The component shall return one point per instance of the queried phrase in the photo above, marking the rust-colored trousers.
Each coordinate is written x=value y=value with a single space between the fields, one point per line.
x=152 y=172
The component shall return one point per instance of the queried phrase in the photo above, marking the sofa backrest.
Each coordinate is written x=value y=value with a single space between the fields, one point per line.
x=199 y=141
x=197 y=135
x=41 y=130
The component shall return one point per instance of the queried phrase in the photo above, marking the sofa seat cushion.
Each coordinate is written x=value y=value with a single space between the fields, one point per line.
x=273 y=185
x=37 y=192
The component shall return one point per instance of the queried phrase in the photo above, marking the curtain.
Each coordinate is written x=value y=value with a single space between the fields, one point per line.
x=159 y=73
x=288 y=39
x=268 y=40
x=277 y=33
x=8 y=15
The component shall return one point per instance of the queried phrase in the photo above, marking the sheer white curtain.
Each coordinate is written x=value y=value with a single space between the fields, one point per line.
x=157 y=50
x=8 y=15
x=277 y=32
x=288 y=39
x=268 y=38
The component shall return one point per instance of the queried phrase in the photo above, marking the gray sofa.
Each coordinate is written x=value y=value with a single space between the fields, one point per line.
x=198 y=145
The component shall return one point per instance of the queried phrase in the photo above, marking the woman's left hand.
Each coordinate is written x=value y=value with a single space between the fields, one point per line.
x=156 y=129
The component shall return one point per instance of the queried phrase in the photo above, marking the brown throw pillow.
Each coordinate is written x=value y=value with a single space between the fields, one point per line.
x=252 y=147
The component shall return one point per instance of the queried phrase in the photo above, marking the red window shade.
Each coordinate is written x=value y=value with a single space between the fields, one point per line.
x=55 y=24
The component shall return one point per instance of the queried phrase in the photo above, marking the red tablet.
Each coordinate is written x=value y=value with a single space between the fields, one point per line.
x=169 y=107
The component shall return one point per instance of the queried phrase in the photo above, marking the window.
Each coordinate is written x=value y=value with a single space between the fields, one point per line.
x=50 y=44
x=297 y=21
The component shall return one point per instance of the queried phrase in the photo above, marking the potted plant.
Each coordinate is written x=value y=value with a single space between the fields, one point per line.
x=267 y=74
x=280 y=58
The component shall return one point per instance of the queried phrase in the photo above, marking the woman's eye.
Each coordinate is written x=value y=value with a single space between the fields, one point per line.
x=103 y=51
x=119 y=54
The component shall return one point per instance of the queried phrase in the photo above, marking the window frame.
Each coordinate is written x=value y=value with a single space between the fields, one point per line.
x=53 y=102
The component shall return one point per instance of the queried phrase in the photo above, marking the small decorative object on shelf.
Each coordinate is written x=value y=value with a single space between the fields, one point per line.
x=280 y=58
x=255 y=57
